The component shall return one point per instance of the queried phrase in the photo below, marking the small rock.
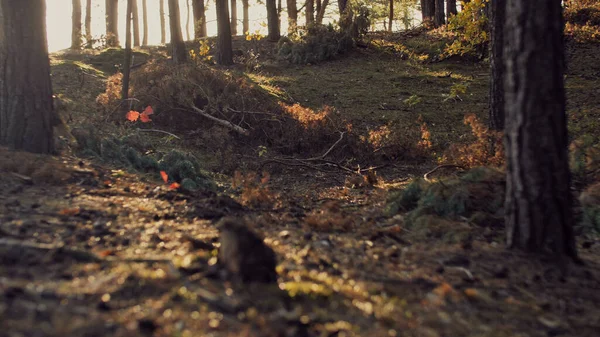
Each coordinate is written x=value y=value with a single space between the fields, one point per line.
x=284 y=234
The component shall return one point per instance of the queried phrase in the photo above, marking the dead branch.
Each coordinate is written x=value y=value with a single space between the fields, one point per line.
x=329 y=150
x=222 y=122
x=161 y=131
x=426 y=175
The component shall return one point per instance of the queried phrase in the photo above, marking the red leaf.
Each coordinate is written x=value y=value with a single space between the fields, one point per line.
x=148 y=111
x=174 y=186
x=132 y=115
x=144 y=118
x=164 y=176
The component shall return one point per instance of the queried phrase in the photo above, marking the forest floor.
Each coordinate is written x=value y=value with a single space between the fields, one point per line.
x=93 y=248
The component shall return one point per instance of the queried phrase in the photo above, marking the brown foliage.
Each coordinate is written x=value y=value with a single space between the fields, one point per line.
x=330 y=217
x=255 y=191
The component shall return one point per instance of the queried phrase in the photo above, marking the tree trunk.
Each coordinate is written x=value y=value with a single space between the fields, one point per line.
x=177 y=45
x=440 y=15
x=538 y=205
x=246 y=20
x=342 y=4
x=199 y=18
x=498 y=15
x=233 y=17
x=136 y=23
x=26 y=113
x=88 y=24
x=391 y=16
x=145 y=22
x=292 y=10
x=163 y=30
x=76 y=28
x=127 y=61
x=112 y=19
x=225 y=48
x=428 y=12
x=451 y=8
x=321 y=12
x=310 y=12
x=187 y=20
x=273 y=20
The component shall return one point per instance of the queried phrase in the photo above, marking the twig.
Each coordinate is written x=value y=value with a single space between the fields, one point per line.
x=222 y=122
x=331 y=148
x=161 y=131
x=426 y=175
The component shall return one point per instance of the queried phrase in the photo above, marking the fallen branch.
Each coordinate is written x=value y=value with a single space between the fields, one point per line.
x=161 y=131
x=222 y=122
x=426 y=175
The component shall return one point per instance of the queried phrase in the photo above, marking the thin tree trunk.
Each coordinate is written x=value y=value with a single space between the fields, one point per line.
x=342 y=4
x=163 y=28
x=321 y=12
x=440 y=15
x=391 y=16
x=428 y=12
x=145 y=22
x=187 y=20
x=498 y=15
x=273 y=20
x=178 y=51
x=246 y=14
x=76 y=27
x=292 y=10
x=136 y=23
x=451 y=8
x=234 y=17
x=538 y=206
x=225 y=48
x=127 y=61
x=310 y=12
x=26 y=112
x=88 y=24
x=199 y=18
x=112 y=19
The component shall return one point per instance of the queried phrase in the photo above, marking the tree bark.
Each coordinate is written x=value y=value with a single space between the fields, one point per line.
x=538 y=205
x=292 y=10
x=234 y=17
x=136 y=23
x=440 y=15
x=496 y=112
x=145 y=22
x=428 y=12
x=246 y=20
x=76 y=27
x=112 y=19
x=187 y=20
x=225 y=48
x=342 y=4
x=273 y=20
x=391 y=16
x=127 y=61
x=321 y=12
x=163 y=30
x=88 y=24
x=26 y=112
x=451 y=8
x=310 y=12
x=177 y=45
x=199 y=18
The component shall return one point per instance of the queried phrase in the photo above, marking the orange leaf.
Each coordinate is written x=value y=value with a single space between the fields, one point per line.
x=132 y=115
x=144 y=118
x=69 y=211
x=174 y=186
x=107 y=252
x=164 y=176
x=148 y=111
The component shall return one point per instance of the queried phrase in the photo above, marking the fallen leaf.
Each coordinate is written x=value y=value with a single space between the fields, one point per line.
x=132 y=115
x=70 y=211
x=164 y=176
x=148 y=111
x=174 y=186
x=144 y=118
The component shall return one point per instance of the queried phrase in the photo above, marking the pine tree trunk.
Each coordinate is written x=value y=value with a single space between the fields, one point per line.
x=496 y=112
x=163 y=28
x=428 y=12
x=178 y=51
x=225 y=48
x=145 y=22
x=440 y=15
x=246 y=19
x=321 y=12
x=538 y=206
x=451 y=8
x=391 y=16
x=199 y=18
x=136 y=23
x=127 y=61
x=233 y=17
x=273 y=20
x=76 y=27
x=112 y=19
x=26 y=113
x=88 y=24
x=187 y=20
x=292 y=10
x=310 y=12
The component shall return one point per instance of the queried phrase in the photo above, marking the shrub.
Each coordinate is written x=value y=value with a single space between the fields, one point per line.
x=470 y=27
x=320 y=43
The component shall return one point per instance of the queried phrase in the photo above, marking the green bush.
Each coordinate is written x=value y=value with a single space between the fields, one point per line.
x=320 y=43
x=470 y=27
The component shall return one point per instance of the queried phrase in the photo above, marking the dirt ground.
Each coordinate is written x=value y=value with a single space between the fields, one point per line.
x=90 y=249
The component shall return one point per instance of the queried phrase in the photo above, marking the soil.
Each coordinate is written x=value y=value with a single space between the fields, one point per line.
x=89 y=249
